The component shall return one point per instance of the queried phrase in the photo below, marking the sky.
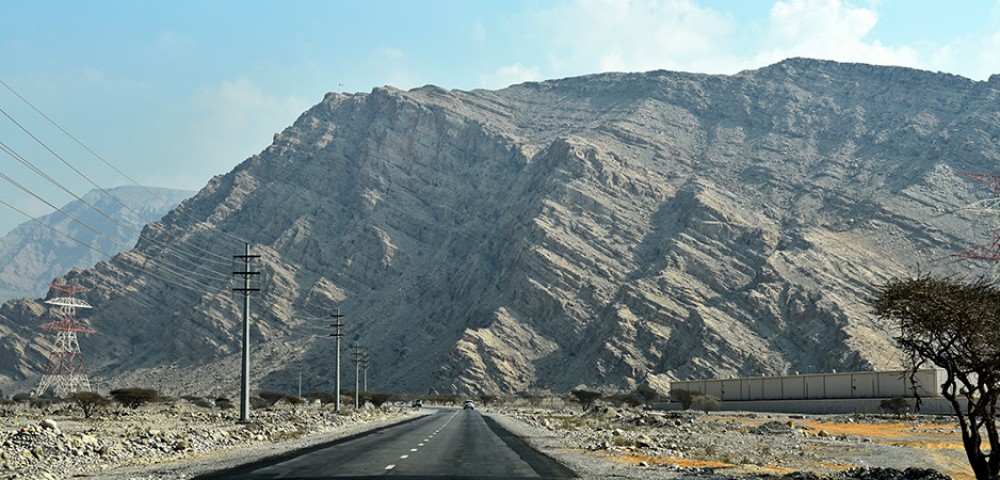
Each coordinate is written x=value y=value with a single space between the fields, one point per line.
x=104 y=93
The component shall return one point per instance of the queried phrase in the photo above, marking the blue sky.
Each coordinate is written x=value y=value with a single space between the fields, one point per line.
x=174 y=92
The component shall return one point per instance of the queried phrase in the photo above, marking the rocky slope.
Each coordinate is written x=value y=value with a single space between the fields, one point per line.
x=33 y=254
x=610 y=230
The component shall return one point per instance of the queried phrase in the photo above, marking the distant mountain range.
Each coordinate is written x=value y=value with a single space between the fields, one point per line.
x=33 y=254
x=607 y=230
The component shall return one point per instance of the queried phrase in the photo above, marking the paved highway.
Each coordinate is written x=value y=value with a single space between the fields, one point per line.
x=453 y=444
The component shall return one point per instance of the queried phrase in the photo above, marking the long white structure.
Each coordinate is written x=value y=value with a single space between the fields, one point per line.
x=820 y=386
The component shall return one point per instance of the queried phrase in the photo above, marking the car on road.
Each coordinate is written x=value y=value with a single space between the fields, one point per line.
x=468 y=405
x=417 y=403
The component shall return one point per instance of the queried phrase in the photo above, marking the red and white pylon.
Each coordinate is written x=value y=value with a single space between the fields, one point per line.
x=65 y=372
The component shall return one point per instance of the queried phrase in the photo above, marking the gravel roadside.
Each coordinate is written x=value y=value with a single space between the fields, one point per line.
x=181 y=443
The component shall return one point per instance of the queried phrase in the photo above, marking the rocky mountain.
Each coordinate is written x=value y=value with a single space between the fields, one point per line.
x=605 y=230
x=33 y=254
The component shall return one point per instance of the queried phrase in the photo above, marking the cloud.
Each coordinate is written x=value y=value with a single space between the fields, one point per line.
x=588 y=36
x=509 y=75
x=175 y=43
x=236 y=119
x=393 y=54
x=828 y=29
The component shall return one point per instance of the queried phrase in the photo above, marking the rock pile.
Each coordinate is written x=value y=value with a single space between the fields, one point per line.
x=53 y=449
x=689 y=445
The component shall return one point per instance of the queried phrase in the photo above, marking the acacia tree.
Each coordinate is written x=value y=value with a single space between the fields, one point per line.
x=586 y=397
x=953 y=325
x=89 y=402
x=134 y=397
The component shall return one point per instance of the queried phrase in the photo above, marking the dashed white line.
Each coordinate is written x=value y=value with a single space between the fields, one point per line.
x=390 y=467
x=404 y=456
x=413 y=449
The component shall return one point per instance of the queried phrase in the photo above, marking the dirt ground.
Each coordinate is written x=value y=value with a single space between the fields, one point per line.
x=827 y=444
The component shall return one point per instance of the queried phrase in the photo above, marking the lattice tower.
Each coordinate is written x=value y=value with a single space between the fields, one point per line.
x=65 y=371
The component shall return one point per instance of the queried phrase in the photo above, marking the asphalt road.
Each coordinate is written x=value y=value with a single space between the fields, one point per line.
x=451 y=444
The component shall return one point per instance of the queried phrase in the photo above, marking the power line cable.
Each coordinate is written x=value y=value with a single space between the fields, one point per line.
x=11 y=152
x=199 y=289
x=78 y=172
x=99 y=157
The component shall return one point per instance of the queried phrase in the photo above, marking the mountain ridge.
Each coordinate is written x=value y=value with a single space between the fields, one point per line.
x=606 y=230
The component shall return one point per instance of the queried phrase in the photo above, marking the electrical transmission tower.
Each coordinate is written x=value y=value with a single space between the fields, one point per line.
x=65 y=371
x=989 y=252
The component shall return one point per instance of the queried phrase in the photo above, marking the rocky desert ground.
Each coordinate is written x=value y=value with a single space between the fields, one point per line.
x=179 y=440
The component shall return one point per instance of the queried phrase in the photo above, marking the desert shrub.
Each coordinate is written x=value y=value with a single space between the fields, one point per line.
x=260 y=402
x=627 y=399
x=375 y=398
x=705 y=403
x=897 y=405
x=323 y=397
x=647 y=394
x=224 y=403
x=487 y=398
x=202 y=403
x=89 y=402
x=585 y=397
x=134 y=397
x=40 y=403
x=685 y=397
x=267 y=399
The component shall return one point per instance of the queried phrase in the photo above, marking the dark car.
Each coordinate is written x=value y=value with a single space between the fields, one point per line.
x=417 y=403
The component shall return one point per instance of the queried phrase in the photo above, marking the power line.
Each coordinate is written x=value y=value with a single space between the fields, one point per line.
x=99 y=157
x=11 y=152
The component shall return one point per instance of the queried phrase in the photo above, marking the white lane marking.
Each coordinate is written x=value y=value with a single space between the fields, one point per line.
x=420 y=444
x=404 y=456
x=390 y=467
x=413 y=449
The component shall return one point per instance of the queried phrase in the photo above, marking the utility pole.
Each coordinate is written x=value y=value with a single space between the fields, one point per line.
x=245 y=371
x=337 y=323
x=364 y=365
x=358 y=354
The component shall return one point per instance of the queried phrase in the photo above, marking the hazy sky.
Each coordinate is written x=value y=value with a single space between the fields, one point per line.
x=174 y=92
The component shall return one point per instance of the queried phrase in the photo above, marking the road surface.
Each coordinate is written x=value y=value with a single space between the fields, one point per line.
x=452 y=444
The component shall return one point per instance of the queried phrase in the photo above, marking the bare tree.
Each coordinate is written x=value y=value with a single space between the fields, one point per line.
x=953 y=325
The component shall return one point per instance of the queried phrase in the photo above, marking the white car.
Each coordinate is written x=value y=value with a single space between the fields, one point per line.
x=468 y=405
